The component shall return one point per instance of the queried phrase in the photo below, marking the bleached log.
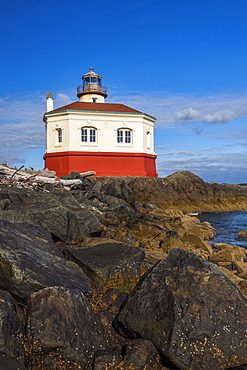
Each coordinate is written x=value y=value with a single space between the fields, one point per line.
x=88 y=173
x=70 y=182
x=46 y=180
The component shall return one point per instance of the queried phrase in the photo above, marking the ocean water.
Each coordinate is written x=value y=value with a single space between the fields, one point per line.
x=227 y=225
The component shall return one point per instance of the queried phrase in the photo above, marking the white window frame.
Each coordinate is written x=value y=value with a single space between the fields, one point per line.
x=124 y=136
x=89 y=135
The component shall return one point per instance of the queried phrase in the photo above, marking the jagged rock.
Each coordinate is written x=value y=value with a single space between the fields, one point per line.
x=30 y=261
x=64 y=220
x=242 y=234
x=8 y=363
x=185 y=191
x=243 y=367
x=11 y=330
x=141 y=354
x=191 y=312
x=227 y=252
x=241 y=268
x=118 y=189
x=197 y=242
x=107 y=360
x=114 y=299
x=109 y=264
x=62 y=330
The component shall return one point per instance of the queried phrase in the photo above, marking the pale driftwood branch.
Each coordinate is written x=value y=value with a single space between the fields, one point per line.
x=71 y=182
x=88 y=173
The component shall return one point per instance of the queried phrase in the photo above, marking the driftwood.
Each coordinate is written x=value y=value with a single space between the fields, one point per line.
x=33 y=179
x=88 y=173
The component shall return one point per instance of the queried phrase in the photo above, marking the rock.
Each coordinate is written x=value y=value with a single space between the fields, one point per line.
x=73 y=175
x=243 y=367
x=30 y=261
x=141 y=354
x=242 y=234
x=11 y=330
x=62 y=330
x=114 y=299
x=191 y=312
x=109 y=264
x=8 y=363
x=65 y=220
x=187 y=192
x=107 y=360
x=241 y=268
x=227 y=252
x=119 y=189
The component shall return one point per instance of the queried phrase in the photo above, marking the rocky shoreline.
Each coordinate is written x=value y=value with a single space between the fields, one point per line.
x=114 y=273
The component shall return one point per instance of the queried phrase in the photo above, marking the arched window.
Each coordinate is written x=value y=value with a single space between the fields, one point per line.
x=124 y=136
x=88 y=135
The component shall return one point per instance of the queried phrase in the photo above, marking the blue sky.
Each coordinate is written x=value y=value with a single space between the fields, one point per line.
x=184 y=62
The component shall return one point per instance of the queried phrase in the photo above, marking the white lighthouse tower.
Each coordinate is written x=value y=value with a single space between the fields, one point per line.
x=90 y=134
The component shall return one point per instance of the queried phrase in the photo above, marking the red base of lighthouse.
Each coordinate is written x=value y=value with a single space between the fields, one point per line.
x=104 y=164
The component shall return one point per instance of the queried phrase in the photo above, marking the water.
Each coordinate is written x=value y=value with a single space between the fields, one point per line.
x=227 y=226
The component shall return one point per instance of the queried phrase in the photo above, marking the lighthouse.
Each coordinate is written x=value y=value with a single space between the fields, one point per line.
x=92 y=135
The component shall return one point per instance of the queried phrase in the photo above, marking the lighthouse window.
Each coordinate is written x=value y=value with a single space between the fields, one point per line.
x=92 y=136
x=84 y=134
x=88 y=135
x=127 y=137
x=59 y=135
x=120 y=136
x=124 y=136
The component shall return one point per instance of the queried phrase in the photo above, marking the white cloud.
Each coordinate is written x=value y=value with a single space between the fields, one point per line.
x=21 y=126
x=174 y=109
x=62 y=99
x=188 y=114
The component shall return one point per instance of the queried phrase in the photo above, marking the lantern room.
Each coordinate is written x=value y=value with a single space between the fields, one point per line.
x=92 y=89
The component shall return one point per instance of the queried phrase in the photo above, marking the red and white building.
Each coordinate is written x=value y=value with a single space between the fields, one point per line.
x=91 y=135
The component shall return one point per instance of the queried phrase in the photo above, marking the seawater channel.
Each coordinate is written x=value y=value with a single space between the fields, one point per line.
x=227 y=225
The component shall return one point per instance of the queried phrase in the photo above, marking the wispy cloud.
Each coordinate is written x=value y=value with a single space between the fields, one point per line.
x=174 y=109
x=21 y=126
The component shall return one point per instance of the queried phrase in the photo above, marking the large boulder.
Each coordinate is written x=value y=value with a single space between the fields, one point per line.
x=11 y=330
x=8 y=363
x=30 y=261
x=57 y=212
x=62 y=330
x=192 y=313
x=108 y=265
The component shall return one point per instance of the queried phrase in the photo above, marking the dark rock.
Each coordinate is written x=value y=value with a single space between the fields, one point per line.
x=11 y=329
x=141 y=355
x=62 y=328
x=109 y=264
x=191 y=312
x=107 y=360
x=113 y=339
x=113 y=189
x=243 y=367
x=188 y=192
x=127 y=193
x=30 y=261
x=58 y=213
x=73 y=175
x=119 y=189
x=8 y=363
x=114 y=299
